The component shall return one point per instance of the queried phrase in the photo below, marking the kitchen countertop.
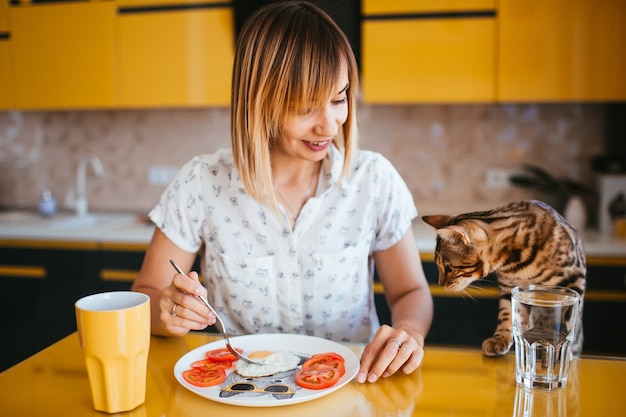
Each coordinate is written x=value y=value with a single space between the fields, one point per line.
x=131 y=228
x=97 y=227
x=450 y=382
x=597 y=245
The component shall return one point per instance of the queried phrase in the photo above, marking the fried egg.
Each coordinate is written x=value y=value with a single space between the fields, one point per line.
x=274 y=362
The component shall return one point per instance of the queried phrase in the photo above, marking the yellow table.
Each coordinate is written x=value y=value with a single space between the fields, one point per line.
x=450 y=382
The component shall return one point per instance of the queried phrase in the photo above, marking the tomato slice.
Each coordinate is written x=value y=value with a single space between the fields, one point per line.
x=210 y=365
x=318 y=378
x=329 y=356
x=204 y=378
x=222 y=355
x=322 y=360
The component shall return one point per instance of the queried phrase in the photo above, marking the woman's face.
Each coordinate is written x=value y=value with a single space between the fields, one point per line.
x=308 y=135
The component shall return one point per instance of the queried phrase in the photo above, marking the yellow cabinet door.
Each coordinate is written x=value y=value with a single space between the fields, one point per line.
x=4 y=16
x=176 y=57
x=6 y=101
x=412 y=6
x=63 y=55
x=5 y=70
x=562 y=50
x=430 y=60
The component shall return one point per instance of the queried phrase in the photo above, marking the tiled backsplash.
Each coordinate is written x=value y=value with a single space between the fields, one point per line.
x=442 y=151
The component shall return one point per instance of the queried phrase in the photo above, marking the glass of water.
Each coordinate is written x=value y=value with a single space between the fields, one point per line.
x=544 y=324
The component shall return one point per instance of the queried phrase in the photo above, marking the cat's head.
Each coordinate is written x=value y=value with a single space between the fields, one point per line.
x=460 y=251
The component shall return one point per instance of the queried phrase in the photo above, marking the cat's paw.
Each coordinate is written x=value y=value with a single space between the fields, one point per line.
x=496 y=346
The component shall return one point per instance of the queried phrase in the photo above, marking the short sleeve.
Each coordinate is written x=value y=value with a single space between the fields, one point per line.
x=178 y=213
x=397 y=208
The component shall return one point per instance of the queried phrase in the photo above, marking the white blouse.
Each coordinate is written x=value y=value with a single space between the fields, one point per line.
x=263 y=277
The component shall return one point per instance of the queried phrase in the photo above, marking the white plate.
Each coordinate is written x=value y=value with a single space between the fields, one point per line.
x=301 y=345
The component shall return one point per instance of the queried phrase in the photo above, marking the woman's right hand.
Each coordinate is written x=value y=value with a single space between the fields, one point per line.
x=181 y=308
x=167 y=288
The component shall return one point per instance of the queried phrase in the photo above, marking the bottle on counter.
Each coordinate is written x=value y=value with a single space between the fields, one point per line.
x=47 y=204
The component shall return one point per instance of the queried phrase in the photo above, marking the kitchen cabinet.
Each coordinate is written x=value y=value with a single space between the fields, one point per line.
x=63 y=55
x=5 y=69
x=424 y=6
x=459 y=319
x=486 y=51
x=605 y=306
x=435 y=52
x=6 y=100
x=4 y=17
x=561 y=50
x=40 y=283
x=175 y=54
x=118 y=265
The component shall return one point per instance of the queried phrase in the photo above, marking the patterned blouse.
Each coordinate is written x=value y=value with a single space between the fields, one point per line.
x=263 y=277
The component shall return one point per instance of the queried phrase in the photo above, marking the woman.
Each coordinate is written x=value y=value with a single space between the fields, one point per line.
x=288 y=220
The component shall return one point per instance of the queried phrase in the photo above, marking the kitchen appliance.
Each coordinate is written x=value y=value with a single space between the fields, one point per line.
x=612 y=189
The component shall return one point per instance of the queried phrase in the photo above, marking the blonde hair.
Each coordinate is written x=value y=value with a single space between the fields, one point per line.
x=289 y=57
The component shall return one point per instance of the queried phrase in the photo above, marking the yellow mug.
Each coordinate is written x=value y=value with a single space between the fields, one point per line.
x=114 y=333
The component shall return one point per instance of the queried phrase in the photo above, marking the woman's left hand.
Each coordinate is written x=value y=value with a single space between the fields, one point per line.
x=392 y=349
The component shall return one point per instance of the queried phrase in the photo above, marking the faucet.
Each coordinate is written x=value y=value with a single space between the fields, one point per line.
x=80 y=203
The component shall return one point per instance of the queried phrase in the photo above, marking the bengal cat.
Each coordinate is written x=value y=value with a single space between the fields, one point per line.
x=524 y=242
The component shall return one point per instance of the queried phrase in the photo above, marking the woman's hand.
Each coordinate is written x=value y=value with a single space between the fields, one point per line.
x=181 y=309
x=167 y=290
x=392 y=349
x=400 y=347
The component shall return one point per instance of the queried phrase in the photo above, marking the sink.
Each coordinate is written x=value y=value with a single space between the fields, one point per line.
x=88 y=221
x=15 y=216
x=30 y=223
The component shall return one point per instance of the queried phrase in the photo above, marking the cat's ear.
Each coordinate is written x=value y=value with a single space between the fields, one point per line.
x=476 y=229
x=437 y=221
x=454 y=232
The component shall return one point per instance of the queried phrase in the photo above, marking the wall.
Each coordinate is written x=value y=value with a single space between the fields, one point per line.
x=442 y=151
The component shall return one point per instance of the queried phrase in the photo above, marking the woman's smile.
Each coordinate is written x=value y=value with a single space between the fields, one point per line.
x=317 y=146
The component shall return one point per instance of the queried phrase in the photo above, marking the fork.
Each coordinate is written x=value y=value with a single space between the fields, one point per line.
x=221 y=324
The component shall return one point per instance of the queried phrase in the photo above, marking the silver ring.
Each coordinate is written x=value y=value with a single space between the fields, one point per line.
x=397 y=342
x=174 y=310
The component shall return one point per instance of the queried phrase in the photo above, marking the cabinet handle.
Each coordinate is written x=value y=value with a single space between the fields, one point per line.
x=615 y=296
x=118 y=275
x=438 y=291
x=602 y=261
x=36 y=272
x=125 y=275
x=477 y=14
